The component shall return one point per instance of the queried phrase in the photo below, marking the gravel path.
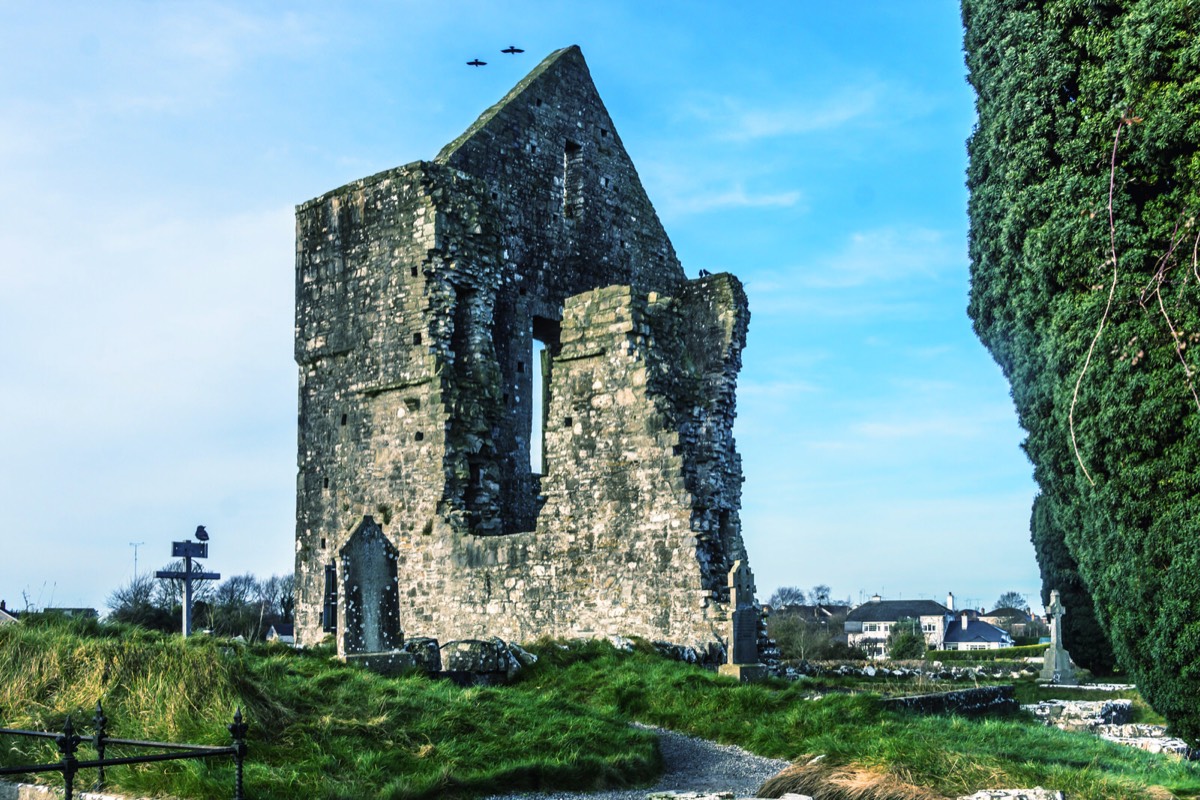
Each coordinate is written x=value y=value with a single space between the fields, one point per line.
x=689 y=765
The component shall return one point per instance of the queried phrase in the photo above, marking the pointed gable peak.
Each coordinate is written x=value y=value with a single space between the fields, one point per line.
x=549 y=164
x=562 y=72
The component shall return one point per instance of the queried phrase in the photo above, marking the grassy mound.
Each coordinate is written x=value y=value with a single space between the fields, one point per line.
x=322 y=729
x=319 y=728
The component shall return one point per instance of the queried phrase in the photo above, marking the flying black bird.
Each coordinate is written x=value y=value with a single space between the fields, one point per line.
x=201 y=534
x=476 y=63
x=512 y=50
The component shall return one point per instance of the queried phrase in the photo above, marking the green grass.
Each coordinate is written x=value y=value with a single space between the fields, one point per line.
x=953 y=755
x=319 y=728
x=322 y=729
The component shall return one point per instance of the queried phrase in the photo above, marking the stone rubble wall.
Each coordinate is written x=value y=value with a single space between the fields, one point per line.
x=419 y=294
x=916 y=671
x=1082 y=715
x=979 y=700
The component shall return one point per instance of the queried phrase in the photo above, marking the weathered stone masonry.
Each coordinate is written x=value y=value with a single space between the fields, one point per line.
x=420 y=292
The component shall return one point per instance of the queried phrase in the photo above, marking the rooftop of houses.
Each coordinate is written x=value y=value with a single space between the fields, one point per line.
x=975 y=631
x=892 y=610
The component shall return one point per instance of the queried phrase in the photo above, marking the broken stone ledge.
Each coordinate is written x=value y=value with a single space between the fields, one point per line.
x=988 y=794
x=1082 y=715
x=1110 y=720
x=980 y=700
x=466 y=662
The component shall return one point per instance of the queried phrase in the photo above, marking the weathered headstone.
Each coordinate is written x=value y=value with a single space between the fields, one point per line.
x=742 y=662
x=371 y=598
x=1056 y=664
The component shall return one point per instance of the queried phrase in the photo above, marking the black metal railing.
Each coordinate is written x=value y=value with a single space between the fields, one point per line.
x=69 y=765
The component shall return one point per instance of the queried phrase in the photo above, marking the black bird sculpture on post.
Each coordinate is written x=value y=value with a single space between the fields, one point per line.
x=201 y=534
x=512 y=50
x=475 y=62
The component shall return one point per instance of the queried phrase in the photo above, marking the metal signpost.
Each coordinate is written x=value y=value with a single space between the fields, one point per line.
x=187 y=551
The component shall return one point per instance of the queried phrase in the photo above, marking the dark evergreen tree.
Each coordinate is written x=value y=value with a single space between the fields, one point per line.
x=1082 y=635
x=1084 y=186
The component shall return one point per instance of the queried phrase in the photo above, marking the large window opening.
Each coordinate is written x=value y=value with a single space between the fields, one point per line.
x=545 y=344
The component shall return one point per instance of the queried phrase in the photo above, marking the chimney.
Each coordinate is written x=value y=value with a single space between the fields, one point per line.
x=876 y=598
x=950 y=600
x=964 y=621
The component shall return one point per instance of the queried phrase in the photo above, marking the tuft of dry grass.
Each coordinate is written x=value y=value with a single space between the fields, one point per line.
x=823 y=780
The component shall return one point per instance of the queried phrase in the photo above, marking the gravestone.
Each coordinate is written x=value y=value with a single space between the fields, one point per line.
x=742 y=662
x=1056 y=664
x=371 y=607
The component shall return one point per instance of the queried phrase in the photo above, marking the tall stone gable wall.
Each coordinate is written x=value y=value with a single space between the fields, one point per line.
x=420 y=291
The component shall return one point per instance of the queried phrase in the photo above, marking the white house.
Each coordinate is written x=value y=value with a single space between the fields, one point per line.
x=963 y=633
x=869 y=625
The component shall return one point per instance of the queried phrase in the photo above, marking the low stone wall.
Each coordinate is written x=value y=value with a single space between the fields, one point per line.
x=916 y=669
x=981 y=700
x=29 y=791
x=1082 y=715
x=1151 y=738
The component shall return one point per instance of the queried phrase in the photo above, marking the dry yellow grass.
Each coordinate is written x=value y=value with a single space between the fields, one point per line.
x=822 y=780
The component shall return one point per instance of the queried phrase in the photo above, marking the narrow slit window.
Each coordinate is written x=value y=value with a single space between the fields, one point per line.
x=329 y=609
x=572 y=180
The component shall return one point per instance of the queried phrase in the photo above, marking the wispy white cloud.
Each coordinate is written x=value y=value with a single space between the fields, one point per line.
x=883 y=268
x=731 y=197
x=679 y=190
x=883 y=255
x=734 y=119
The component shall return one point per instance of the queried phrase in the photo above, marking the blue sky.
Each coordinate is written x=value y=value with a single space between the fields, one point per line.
x=152 y=155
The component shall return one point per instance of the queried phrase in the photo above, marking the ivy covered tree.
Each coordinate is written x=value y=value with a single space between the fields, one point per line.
x=1084 y=183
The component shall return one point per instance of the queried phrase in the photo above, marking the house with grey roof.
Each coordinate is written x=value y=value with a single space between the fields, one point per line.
x=869 y=625
x=964 y=633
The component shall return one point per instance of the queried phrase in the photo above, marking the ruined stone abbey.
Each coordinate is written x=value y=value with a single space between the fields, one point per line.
x=516 y=411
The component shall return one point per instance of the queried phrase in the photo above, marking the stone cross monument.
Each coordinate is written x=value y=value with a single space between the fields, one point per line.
x=1056 y=664
x=743 y=661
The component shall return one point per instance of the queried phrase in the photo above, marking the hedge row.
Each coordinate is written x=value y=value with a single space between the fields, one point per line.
x=1003 y=654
